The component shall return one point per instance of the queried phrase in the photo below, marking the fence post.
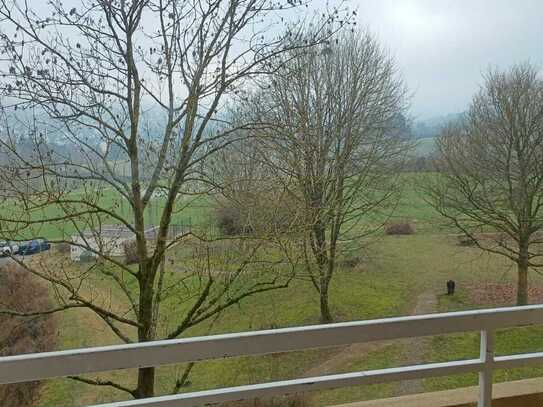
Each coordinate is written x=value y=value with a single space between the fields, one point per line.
x=485 y=375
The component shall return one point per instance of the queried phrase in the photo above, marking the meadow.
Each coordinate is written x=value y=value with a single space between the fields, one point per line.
x=191 y=211
x=389 y=277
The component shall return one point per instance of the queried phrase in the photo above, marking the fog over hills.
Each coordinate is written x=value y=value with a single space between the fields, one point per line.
x=432 y=127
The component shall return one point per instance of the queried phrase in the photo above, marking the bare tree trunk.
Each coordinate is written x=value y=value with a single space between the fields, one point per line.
x=323 y=264
x=522 y=265
x=146 y=383
x=326 y=315
x=146 y=333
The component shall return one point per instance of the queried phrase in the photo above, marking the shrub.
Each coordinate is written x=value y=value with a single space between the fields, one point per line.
x=130 y=252
x=20 y=292
x=467 y=241
x=350 y=262
x=400 y=228
x=231 y=219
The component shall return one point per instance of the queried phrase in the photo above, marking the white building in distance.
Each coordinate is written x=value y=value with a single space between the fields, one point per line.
x=108 y=239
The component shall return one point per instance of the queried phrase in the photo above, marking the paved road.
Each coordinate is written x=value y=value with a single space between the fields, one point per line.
x=4 y=261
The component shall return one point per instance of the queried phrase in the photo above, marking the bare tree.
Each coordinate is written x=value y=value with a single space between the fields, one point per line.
x=489 y=173
x=332 y=137
x=111 y=103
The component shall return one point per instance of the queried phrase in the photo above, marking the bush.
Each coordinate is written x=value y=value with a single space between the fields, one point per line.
x=20 y=292
x=467 y=241
x=231 y=220
x=130 y=252
x=400 y=228
x=350 y=262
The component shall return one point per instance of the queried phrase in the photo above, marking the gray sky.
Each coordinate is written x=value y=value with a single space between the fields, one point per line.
x=443 y=46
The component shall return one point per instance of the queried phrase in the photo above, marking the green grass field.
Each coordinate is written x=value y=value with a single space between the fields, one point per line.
x=394 y=271
x=189 y=210
x=425 y=146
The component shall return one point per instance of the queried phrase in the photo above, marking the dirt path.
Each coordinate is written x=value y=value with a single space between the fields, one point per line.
x=415 y=349
x=343 y=357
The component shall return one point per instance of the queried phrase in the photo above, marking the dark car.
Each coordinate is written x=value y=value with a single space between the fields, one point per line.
x=34 y=246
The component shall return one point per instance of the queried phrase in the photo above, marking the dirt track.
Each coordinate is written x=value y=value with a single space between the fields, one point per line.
x=415 y=349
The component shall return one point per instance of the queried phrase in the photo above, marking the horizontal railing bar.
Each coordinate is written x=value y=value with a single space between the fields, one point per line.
x=305 y=385
x=39 y=366
x=512 y=361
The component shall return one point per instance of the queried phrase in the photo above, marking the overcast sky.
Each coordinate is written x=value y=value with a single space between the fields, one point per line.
x=443 y=46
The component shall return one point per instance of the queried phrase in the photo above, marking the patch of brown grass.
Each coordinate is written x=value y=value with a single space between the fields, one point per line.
x=489 y=293
x=21 y=293
x=400 y=228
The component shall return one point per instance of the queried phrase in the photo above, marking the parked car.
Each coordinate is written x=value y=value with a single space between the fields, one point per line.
x=8 y=248
x=34 y=246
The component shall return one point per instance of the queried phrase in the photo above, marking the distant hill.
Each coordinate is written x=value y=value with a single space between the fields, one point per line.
x=431 y=127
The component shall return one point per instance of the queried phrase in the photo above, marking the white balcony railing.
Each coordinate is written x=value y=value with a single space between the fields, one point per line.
x=39 y=366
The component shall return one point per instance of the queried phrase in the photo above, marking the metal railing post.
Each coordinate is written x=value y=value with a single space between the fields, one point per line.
x=485 y=375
